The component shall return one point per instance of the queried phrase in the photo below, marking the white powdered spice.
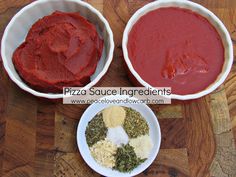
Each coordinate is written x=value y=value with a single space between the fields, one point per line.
x=117 y=135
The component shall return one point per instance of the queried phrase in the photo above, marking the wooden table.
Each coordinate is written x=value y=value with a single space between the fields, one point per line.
x=37 y=137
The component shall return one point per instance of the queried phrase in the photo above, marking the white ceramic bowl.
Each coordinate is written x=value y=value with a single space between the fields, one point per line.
x=213 y=19
x=92 y=110
x=20 y=24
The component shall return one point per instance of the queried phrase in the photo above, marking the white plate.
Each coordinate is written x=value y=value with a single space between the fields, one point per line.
x=92 y=110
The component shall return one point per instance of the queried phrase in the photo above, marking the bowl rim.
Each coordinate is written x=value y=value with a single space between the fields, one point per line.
x=25 y=86
x=154 y=5
x=89 y=108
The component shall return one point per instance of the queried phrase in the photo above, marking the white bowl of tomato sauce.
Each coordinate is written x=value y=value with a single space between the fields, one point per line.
x=50 y=44
x=178 y=44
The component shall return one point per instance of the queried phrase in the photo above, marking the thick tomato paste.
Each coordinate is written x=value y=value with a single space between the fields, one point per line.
x=60 y=50
x=177 y=48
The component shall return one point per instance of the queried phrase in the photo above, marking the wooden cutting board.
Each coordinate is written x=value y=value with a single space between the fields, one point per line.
x=37 y=138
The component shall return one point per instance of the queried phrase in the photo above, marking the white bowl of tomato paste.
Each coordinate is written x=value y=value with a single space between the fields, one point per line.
x=177 y=44
x=51 y=44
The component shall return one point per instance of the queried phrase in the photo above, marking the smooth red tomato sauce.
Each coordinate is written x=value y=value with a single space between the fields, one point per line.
x=177 y=48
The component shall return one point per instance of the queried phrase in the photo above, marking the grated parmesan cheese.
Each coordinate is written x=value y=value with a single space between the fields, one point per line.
x=142 y=146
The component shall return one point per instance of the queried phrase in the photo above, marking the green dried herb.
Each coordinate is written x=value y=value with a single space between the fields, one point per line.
x=96 y=130
x=126 y=159
x=135 y=125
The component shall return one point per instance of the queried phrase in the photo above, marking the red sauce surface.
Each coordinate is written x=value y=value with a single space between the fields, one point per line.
x=60 y=50
x=177 y=48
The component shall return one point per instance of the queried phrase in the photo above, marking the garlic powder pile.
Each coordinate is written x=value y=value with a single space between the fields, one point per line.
x=114 y=116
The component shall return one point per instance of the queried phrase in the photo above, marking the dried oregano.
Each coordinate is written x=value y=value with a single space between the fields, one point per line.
x=126 y=159
x=96 y=130
x=135 y=125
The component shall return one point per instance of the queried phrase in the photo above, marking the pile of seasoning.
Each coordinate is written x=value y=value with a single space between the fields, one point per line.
x=126 y=159
x=118 y=138
x=104 y=152
x=96 y=130
x=135 y=125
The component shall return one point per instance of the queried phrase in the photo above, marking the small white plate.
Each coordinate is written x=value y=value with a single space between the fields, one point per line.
x=92 y=110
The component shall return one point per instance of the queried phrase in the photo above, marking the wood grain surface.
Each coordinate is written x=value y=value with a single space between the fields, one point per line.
x=37 y=137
